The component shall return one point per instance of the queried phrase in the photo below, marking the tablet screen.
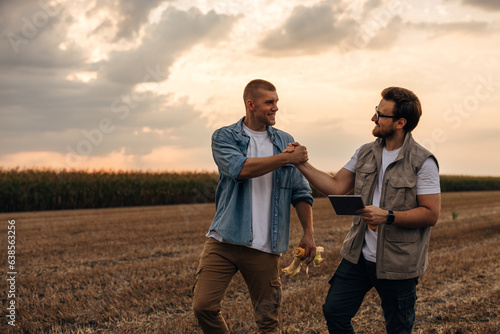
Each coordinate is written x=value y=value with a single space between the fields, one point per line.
x=346 y=204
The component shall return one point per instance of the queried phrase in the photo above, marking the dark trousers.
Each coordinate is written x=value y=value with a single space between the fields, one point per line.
x=349 y=285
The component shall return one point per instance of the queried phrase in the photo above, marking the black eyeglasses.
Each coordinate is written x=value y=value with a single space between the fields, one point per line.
x=380 y=115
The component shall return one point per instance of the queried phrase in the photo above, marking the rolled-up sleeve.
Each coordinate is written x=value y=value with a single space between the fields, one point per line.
x=301 y=191
x=227 y=155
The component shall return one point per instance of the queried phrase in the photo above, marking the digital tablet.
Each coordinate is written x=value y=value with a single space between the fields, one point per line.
x=346 y=204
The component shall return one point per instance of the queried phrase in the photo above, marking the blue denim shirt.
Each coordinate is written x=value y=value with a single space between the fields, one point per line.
x=233 y=198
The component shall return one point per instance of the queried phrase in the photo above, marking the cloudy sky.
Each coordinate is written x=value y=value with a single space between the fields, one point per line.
x=142 y=84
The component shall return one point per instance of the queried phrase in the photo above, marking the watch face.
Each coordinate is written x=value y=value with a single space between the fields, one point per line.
x=390 y=217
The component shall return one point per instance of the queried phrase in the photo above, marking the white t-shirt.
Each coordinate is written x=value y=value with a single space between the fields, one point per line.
x=260 y=146
x=427 y=183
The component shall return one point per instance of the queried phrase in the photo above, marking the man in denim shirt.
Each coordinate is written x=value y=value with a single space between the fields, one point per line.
x=252 y=221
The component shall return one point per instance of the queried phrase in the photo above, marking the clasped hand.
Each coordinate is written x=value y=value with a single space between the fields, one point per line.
x=298 y=153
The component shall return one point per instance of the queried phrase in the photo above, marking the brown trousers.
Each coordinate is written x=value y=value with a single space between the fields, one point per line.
x=218 y=264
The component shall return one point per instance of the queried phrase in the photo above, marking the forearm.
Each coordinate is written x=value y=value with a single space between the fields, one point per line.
x=319 y=179
x=340 y=184
x=255 y=167
x=304 y=212
x=426 y=214
x=415 y=218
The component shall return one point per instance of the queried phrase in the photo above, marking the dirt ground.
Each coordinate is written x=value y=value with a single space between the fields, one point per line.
x=130 y=270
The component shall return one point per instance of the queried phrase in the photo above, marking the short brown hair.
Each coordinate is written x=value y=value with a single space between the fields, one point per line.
x=251 y=88
x=407 y=105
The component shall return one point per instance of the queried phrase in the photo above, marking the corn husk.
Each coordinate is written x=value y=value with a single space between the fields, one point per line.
x=299 y=260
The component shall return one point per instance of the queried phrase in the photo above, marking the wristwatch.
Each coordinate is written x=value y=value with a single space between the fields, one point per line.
x=390 y=217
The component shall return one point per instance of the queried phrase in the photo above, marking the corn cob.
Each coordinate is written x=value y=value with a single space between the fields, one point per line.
x=299 y=254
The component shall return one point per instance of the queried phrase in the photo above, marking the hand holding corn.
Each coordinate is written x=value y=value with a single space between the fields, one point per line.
x=298 y=261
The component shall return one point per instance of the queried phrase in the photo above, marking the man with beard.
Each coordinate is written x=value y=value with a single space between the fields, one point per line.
x=387 y=244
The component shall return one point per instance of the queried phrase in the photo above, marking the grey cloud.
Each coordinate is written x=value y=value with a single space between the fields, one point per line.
x=177 y=31
x=189 y=133
x=387 y=36
x=43 y=111
x=131 y=15
x=308 y=30
x=376 y=36
x=34 y=94
x=38 y=100
x=316 y=29
x=439 y=29
x=329 y=25
x=179 y=123
x=484 y=4
x=160 y=112
x=14 y=12
x=31 y=36
x=370 y=5
x=66 y=116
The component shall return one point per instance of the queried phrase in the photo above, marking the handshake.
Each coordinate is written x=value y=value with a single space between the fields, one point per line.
x=297 y=154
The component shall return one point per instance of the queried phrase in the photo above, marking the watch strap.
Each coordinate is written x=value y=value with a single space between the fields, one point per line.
x=390 y=217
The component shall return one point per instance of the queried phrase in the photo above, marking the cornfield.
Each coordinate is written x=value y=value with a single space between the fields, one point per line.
x=36 y=190
x=451 y=183
x=45 y=189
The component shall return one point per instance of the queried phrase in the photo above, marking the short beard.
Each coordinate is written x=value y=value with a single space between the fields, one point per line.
x=383 y=135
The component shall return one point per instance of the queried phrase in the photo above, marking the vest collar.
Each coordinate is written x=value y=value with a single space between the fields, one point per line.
x=380 y=143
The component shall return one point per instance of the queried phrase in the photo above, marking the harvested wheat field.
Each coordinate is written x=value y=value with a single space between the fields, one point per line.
x=130 y=270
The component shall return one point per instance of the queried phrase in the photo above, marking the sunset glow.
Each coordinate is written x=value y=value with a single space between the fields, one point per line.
x=142 y=85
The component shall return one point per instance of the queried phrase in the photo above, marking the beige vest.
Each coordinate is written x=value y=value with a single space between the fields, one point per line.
x=401 y=252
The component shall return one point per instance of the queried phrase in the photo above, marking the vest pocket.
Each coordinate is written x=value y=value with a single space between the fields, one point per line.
x=400 y=247
x=401 y=193
x=365 y=174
